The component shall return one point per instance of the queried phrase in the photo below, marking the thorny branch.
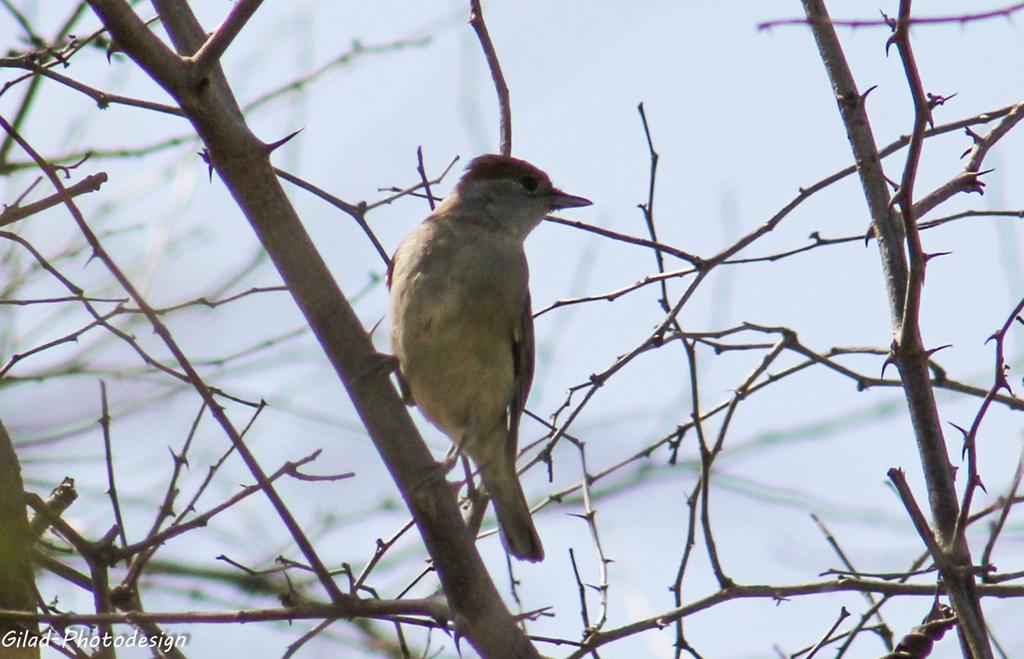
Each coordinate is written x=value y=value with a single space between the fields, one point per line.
x=904 y=282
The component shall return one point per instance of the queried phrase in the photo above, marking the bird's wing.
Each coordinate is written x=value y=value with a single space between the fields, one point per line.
x=403 y=385
x=391 y=269
x=522 y=369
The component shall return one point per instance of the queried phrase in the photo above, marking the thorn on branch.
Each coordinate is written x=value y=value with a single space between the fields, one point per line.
x=935 y=100
x=205 y=155
x=112 y=49
x=932 y=255
x=966 y=437
x=932 y=351
x=273 y=146
x=868 y=235
x=549 y=464
x=891 y=358
x=178 y=458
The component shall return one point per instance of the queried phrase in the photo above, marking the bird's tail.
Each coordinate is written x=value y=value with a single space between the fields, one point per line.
x=500 y=480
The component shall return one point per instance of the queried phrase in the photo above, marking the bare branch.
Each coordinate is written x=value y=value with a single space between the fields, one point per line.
x=209 y=55
x=17 y=212
x=476 y=21
x=962 y=19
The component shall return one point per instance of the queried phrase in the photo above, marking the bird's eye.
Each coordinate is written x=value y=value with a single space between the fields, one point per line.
x=529 y=183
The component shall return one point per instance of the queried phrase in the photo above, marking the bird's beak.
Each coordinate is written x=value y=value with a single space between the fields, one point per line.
x=561 y=199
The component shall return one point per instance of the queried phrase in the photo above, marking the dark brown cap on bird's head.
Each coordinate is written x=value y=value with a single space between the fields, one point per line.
x=495 y=167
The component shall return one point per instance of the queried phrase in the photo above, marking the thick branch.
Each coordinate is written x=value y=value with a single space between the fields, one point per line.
x=904 y=298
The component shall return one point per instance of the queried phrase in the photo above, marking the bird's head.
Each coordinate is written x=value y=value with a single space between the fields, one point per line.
x=511 y=192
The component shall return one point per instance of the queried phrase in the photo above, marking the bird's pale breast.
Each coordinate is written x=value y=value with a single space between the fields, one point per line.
x=453 y=337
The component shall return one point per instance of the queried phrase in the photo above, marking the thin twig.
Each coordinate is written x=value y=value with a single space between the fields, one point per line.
x=209 y=55
x=17 y=212
x=476 y=21
x=108 y=455
x=961 y=19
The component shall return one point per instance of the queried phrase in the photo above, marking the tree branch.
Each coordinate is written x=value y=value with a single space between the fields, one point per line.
x=903 y=286
x=476 y=21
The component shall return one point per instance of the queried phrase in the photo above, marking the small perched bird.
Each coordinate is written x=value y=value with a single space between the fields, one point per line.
x=462 y=326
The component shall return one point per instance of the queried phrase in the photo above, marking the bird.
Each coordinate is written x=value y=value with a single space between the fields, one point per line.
x=462 y=323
